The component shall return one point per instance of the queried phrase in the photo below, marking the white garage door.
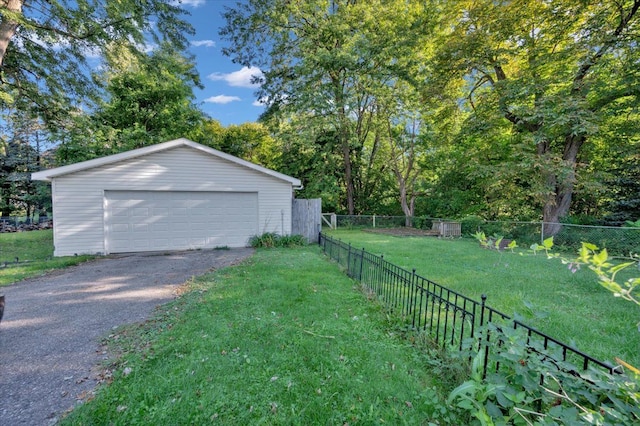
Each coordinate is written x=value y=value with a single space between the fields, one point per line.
x=167 y=220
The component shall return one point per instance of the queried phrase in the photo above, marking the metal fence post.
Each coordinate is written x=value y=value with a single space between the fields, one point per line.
x=361 y=264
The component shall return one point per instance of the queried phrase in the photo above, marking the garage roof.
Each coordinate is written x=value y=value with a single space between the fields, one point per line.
x=48 y=175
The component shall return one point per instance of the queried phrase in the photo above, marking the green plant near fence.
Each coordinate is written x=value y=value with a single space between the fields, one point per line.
x=617 y=241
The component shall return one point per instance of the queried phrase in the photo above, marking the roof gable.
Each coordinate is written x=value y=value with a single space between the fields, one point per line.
x=48 y=175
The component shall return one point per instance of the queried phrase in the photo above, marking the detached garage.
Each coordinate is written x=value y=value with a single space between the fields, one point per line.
x=177 y=195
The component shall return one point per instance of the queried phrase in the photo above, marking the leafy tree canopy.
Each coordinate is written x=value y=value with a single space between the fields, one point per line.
x=150 y=100
x=45 y=46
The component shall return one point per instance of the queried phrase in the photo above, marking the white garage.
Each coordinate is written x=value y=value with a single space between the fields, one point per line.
x=177 y=195
x=178 y=220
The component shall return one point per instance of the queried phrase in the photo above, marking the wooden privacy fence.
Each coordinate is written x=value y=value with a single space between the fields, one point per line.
x=450 y=318
x=306 y=218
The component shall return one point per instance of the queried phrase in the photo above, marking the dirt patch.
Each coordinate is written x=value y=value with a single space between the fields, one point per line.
x=403 y=232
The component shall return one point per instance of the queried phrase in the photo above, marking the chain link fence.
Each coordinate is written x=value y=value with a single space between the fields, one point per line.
x=619 y=241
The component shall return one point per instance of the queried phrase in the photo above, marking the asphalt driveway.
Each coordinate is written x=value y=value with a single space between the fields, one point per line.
x=52 y=326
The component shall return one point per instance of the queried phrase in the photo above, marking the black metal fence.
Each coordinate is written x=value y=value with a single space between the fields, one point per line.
x=448 y=317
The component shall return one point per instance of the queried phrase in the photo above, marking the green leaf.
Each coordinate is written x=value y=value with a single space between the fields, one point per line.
x=600 y=258
x=611 y=285
x=466 y=389
x=617 y=268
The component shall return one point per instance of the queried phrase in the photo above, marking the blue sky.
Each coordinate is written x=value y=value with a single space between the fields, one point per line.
x=228 y=95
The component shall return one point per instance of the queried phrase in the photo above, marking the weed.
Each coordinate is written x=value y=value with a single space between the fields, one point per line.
x=271 y=240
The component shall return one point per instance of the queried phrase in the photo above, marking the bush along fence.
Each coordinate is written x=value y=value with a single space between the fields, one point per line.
x=471 y=327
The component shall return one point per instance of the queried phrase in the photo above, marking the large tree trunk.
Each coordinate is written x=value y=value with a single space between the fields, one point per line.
x=407 y=205
x=8 y=27
x=558 y=202
x=348 y=177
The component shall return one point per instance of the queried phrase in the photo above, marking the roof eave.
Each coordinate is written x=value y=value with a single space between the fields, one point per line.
x=49 y=175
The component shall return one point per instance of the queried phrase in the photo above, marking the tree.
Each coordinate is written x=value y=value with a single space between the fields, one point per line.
x=21 y=154
x=44 y=46
x=625 y=183
x=150 y=100
x=553 y=70
x=319 y=59
x=400 y=126
x=251 y=142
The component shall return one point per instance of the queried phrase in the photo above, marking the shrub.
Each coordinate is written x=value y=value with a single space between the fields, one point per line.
x=512 y=391
x=422 y=222
x=471 y=224
x=271 y=239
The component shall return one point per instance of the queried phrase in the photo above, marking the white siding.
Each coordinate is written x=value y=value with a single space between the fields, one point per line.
x=183 y=220
x=78 y=198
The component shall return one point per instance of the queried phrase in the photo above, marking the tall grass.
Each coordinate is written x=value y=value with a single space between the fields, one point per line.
x=544 y=293
x=284 y=338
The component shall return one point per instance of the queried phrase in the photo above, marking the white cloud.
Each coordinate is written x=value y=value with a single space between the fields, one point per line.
x=205 y=43
x=192 y=3
x=241 y=78
x=258 y=103
x=222 y=99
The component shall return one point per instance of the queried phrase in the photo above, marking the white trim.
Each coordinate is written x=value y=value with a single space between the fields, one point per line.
x=48 y=175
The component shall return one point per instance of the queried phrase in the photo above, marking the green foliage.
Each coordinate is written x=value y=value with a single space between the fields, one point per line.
x=495 y=242
x=618 y=241
x=23 y=150
x=332 y=80
x=422 y=222
x=537 y=94
x=45 y=69
x=473 y=395
x=512 y=392
x=439 y=110
x=599 y=262
x=272 y=240
x=547 y=245
x=149 y=101
x=470 y=224
x=632 y=224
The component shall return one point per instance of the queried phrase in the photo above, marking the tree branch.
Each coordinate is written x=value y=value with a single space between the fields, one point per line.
x=95 y=30
x=590 y=62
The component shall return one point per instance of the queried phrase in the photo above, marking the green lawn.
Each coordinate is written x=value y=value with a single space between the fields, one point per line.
x=570 y=307
x=284 y=338
x=34 y=250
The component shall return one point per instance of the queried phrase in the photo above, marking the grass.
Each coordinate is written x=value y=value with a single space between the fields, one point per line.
x=34 y=250
x=571 y=307
x=284 y=338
